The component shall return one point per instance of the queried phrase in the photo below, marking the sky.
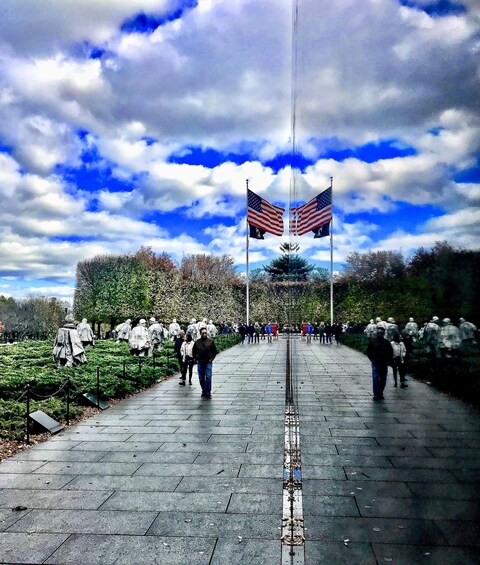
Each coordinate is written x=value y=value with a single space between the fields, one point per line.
x=129 y=123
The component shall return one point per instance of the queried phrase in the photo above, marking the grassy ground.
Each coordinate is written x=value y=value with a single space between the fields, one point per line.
x=110 y=367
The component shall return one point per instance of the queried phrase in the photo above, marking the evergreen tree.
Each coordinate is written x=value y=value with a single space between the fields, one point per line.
x=290 y=266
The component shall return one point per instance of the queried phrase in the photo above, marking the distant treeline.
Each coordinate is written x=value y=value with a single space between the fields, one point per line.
x=35 y=317
x=443 y=281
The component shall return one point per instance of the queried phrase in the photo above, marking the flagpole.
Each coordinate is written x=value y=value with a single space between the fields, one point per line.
x=331 y=258
x=248 y=269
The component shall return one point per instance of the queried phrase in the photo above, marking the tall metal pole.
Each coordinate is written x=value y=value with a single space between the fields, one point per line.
x=248 y=268
x=331 y=258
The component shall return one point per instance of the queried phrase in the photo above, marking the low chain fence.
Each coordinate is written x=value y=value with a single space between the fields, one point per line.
x=61 y=392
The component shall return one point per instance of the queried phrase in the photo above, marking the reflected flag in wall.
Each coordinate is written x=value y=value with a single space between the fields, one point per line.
x=313 y=215
x=263 y=215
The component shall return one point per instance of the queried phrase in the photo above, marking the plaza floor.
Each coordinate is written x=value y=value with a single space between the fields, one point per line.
x=166 y=477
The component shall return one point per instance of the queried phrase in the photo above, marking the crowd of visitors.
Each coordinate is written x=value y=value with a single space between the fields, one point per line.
x=390 y=345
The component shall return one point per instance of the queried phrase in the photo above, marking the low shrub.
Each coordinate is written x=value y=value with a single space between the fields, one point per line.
x=120 y=374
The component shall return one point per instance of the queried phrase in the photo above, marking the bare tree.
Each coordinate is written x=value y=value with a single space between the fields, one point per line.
x=209 y=269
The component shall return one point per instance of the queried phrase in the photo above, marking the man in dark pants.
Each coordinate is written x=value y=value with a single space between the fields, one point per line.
x=205 y=351
x=380 y=353
x=178 y=346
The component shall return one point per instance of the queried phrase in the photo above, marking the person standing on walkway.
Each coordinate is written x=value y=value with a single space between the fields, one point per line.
x=337 y=330
x=250 y=332
x=178 y=348
x=399 y=361
x=242 y=330
x=204 y=352
x=268 y=332
x=309 y=332
x=328 y=333
x=380 y=353
x=188 y=361
x=256 y=337
x=275 y=330
x=321 y=332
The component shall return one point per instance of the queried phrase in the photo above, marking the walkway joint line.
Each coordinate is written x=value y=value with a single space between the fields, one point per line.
x=292 y=522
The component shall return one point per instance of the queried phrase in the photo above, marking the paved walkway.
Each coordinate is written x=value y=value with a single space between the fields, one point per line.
x=166 y=477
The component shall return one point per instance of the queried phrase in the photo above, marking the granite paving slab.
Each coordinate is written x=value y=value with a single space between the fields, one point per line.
x=85 y=522
x=79 y=499
x=166 y=477
x=28 y=548
x=126 y=550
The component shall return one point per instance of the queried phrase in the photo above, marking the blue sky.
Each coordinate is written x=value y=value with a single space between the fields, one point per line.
x=137 y=122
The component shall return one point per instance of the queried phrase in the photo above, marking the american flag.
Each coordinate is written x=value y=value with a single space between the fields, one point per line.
x=313 y=214
x=264 y=215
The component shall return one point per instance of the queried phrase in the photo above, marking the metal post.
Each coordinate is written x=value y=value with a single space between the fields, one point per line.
x=28 y=414
x=98 y=387
x=68 y=401
x=247 y=273
x=331 y=258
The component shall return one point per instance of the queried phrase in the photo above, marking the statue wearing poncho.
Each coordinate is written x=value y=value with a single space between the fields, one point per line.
x=68 y=350
x=139 y=342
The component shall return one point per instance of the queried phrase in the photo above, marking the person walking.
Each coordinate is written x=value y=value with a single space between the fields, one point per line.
x=268 y=332
x=275 y=330
x=204 y=352
x=250 y=332
x=398 y=362
x=328 y=333
x=242 y=330
x=178 y=349
x=337 y=330
x=380 y=353
x=188 y=361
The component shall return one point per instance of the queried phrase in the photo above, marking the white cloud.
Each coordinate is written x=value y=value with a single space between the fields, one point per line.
x=220 y=77
x=54 y=25
x=460 y=220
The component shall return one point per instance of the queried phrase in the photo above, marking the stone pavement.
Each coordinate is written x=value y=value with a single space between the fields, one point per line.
x=166 y=477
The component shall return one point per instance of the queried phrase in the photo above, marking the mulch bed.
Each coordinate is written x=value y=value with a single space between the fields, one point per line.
x=10 y=447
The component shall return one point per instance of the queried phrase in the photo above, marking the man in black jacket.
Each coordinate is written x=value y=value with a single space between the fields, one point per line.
x=380 y=353
x=178 y=346
x=205 y=351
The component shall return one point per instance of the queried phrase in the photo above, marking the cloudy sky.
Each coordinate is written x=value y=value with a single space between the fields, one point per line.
x=137 y=122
